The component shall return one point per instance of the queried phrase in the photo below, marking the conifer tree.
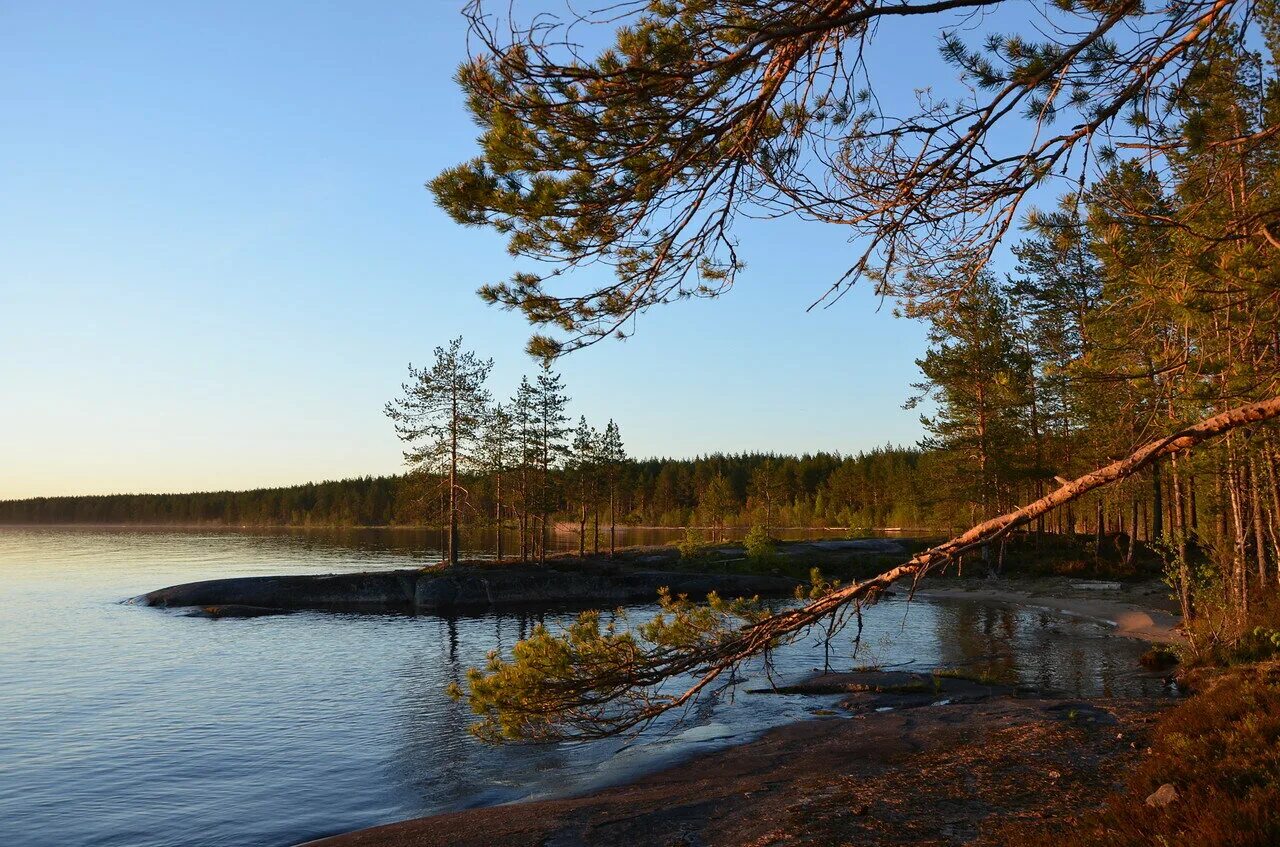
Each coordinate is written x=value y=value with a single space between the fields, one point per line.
x=767 y=484
x=440 y=416
x=642 y=155
x=715 y=503
x=498 y=448
x=612 y=457
x=978 y=378
x=523 y=407
x=584 y=457
x=551 y=428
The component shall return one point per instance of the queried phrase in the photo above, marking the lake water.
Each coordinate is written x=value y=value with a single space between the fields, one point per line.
x=126 y=725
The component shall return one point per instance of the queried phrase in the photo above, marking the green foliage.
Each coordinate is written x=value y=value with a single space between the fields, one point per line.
x=596 y=677
x=878 y=487
x=1158 y=658
x=759 y=545
x=693 y=545
x=639 y=156
x=979 y=376
x=819 y=586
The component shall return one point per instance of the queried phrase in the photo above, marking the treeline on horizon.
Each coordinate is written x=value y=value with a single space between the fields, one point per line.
x=885 y=487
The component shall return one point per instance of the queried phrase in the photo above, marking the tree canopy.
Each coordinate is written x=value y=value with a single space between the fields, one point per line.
x=640 y=155
x=1145 y=303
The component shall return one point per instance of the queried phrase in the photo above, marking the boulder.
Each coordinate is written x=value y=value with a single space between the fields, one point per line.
x=1162 y=796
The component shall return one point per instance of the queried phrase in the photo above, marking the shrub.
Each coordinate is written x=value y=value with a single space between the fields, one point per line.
x=1159 y=658
x=759 y=545
x=693 y=545
x=1219 y=635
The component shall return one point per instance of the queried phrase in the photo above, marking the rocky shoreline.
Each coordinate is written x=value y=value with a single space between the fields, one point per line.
x=900 y=763
x=633 y=575
x=906 y=758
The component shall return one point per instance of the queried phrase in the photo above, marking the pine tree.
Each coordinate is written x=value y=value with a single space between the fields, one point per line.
x=612 y=456
x=977 y=376
x=440 y=415
x=550 y=431
x=584 y=459
x=715 y=503
x=768 y=489
x=523 y=408
x=499 y=445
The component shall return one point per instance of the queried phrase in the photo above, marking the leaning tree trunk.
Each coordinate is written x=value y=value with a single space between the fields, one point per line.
x=708 y=663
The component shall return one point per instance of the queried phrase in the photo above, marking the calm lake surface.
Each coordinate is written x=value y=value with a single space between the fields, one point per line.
x=125 y=725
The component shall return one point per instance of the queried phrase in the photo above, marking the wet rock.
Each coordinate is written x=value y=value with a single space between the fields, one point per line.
x=236 y=611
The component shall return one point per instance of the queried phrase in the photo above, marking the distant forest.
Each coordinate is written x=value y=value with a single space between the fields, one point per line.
x=883 y=487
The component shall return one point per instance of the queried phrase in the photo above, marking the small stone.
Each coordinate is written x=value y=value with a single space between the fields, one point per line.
x=1162 y=796
x=1054 y=775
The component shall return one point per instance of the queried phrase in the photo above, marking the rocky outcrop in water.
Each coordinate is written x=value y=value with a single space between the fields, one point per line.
x=458 y=589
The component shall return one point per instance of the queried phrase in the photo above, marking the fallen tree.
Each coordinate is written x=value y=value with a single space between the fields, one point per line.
x=594 y=680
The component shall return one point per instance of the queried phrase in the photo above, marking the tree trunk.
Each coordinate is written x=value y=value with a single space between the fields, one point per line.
x=452 y=543
x=1133 y=533
x=1270 y=457
x=613 y=521
x=1100 y=518
x=1238 y=540
x=1184 y=567
x=1259 y=539
x=1157 y=504
x=497 y=516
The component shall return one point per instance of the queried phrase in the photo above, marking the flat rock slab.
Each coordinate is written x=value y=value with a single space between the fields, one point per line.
x=457 y=589
x=866 y=545
x=944 y=777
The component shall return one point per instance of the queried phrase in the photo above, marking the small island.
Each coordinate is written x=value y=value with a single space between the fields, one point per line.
x=633 y=575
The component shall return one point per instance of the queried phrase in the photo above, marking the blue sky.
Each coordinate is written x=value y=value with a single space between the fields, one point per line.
x=219 y=259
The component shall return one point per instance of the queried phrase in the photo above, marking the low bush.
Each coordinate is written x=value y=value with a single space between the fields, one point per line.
x=1219 y=635
x=1158 y=658
x=759 y=545
x=693 y=545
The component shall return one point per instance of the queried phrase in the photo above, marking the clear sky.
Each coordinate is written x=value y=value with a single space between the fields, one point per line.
x=218 y=258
